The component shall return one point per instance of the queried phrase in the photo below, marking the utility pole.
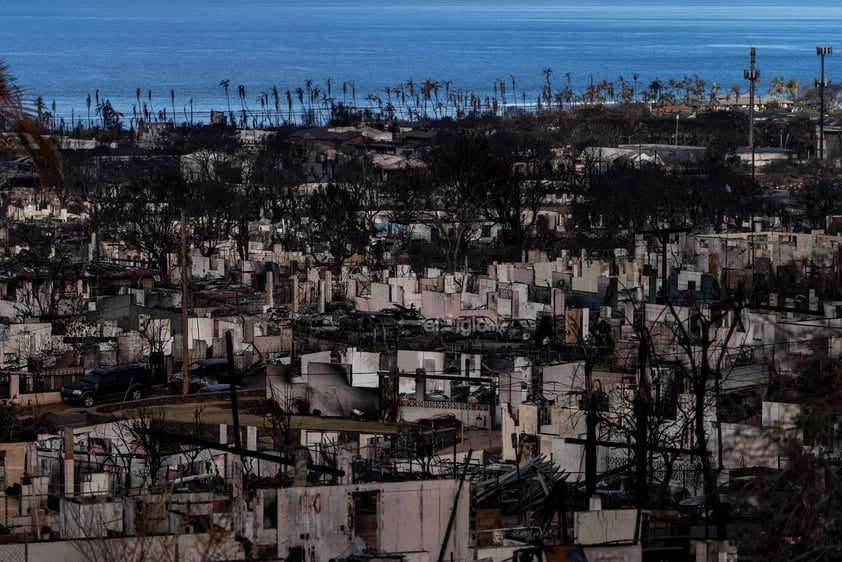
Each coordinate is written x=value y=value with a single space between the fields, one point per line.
x=591 y=421
x=185 y=326
x=822 y=52
x=752 y=75
x=235 y=413
x=642 y=407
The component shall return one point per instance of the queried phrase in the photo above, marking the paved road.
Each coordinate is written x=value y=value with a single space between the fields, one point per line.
x=73 y=415
x=71 y=419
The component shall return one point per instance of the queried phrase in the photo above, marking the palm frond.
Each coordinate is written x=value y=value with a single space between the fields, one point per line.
x=18 y=118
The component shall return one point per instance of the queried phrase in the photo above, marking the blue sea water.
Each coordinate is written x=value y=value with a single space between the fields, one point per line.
x=65 y=50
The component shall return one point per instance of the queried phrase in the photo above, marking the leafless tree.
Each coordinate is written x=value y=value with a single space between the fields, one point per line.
x=140 y=441
x=152 y=537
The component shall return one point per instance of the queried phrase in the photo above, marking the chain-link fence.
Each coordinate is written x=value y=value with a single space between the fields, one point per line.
x=17 y=552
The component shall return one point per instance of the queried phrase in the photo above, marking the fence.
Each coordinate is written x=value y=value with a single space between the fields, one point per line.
x=14 y=541
x=18 y=551
x=47 y=381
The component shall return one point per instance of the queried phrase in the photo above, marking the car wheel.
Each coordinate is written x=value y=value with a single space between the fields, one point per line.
x=135 y=394
x=88 y=400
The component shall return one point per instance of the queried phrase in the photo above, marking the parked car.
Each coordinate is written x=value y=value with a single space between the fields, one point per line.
x=196 y=382
x=108 y=384
x=206 y=373
x=318 y=326
x=202 y=373
x=368 y=328
x=407 y=318
x=517 y=329
x=463 y=327
x=216 y=368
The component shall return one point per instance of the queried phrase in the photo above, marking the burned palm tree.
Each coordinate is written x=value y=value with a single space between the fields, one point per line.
x=149 y=97
x=299 y=92
x=225 y=84
x=241 y=91
x=277 y=99
x=172 y=103
x=547 y=91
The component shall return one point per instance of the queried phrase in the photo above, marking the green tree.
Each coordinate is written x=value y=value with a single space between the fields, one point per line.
x=791 y=87
x=777 y=86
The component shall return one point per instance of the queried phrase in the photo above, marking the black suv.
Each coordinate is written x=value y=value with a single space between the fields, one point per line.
x=122 y=382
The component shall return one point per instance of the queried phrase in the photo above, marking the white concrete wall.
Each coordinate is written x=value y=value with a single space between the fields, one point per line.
x=364 y=366
x=543 y=273
x=408 y=361
x=523 y=274
x=90 y=520
x=604 y=526
x=222 y=325
x=470 y=364
x=200 y=329
x=569 y=457
x=524 y=420
x=589 y=273
x=185 y=548
x=780 y=414
x=564 y=377
x=411 y=517
x=306 y=359
x=472 y=301
x=754 y=446
x=404 y=290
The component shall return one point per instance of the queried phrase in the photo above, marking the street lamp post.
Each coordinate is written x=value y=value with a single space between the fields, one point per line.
x=822 y=52
x=752 y=75
x=675 y=141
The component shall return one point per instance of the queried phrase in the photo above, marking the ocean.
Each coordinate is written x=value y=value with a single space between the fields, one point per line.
x=178 y=52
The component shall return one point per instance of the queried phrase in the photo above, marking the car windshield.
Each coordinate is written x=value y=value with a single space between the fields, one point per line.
x=93 y=377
